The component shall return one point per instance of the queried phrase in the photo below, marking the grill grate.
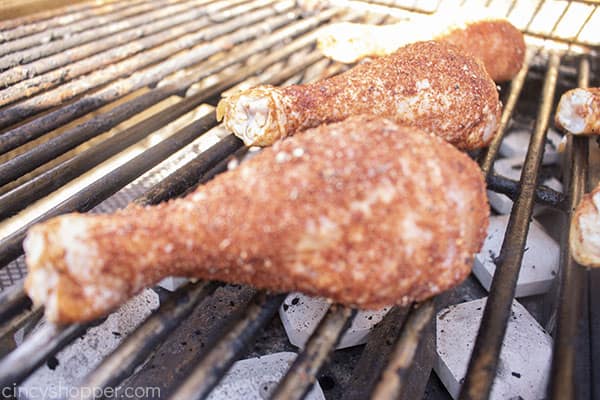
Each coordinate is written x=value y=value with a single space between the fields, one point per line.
x=59 y=67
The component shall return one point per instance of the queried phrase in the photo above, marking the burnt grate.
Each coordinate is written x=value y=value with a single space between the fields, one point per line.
x=98 y=66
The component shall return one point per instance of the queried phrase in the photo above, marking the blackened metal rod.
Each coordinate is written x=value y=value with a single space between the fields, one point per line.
x=48 y=150
x=93 y=194
x=52 y=179
x=101 y=123
x=8 y=330
x=543 y=194
x=484 y=360
x=57 y=39
x=158 y=326
x=573 y=276
x=302 y=374
x=70 y=11
x=118 y=46
x=10 y=247
x=153 y=331
x=376 y=354
x=215 y=363
x=189 y=175
x=12 y=302
x=16 y=307
x=488 y=156
x=183 y=178
x=394 y=378
x=136 y=80
x=173 y=185
x=39 y=346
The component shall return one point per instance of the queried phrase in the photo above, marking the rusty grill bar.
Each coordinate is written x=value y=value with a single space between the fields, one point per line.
x=59 y=66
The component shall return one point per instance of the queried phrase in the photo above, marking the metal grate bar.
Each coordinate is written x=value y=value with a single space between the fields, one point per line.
x=511 y=8
x=543 y=194
x=390 y=3
x=559 y=19
x=54 y=178
x=302 y=374
x=10 y=328
x=93 y=194
x=69 y=139
x=10 y=247
x=57 y=16
x=394 y=378
x=42 y=44
x=484 y=360
x=153 y=331
x=585 y=22
x=62 y=17
x=11 y=303
x=590 y=2
x=376 y=354
x=193 y=172
x=140 y=78
x=594 y=331
x=489 y=155
x=41 y=345
x=573 y=276
x=214 y=364
x=169 y=22
x=57 y=339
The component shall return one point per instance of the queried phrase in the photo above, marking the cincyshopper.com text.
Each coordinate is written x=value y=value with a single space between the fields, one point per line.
x=60 y=391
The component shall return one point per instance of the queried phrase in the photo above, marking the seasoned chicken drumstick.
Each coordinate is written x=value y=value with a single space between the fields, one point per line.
x=364 y=212
x=428 y=85
x=497 y=43
x=578 y=111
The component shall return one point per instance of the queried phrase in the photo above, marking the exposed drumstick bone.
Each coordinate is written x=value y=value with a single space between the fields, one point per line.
x=584 y=239
x=578 y=111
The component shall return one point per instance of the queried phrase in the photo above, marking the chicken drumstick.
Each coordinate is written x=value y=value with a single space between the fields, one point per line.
x=428 y=85
x=365 y=212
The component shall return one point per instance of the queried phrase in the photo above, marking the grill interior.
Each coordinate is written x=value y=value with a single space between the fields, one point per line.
x=102 y=104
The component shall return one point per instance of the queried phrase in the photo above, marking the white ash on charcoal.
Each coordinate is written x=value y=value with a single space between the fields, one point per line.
x=540 y=260
x=256 y=378
x=62 y=373
x=516 y=143
x=525 y=357
x=300 y=315
x=172 y=283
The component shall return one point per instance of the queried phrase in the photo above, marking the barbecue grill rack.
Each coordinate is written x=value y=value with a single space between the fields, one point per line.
x=73 y=78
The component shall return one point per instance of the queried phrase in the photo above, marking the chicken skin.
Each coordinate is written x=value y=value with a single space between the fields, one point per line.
x=427 y=85
x=496 y=42
x=364 y=212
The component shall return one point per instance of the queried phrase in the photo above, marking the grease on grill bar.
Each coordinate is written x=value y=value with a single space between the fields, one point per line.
x=59 y=66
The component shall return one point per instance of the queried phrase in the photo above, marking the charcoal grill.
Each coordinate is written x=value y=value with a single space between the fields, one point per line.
x=71 y=75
